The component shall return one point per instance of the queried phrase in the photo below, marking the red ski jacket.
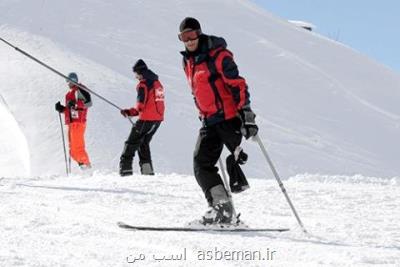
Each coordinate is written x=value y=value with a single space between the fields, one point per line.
x=78 y=112
x=218 y=90
x=150 y=98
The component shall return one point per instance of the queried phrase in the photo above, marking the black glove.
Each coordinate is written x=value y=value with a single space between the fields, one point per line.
x=124 y=112
x=71 y=103
x=249 y=126
x=60 y=108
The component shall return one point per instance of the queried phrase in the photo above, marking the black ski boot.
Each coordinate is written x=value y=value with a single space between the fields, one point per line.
x=221 y=213
x=221 y=208
x=125 y=167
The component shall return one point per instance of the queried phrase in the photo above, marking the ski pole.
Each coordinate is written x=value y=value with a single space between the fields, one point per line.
x=62 y=75
x=271 y=165
x=63 y=141
x=227 y=187
x=69 y=162
x=69 y=151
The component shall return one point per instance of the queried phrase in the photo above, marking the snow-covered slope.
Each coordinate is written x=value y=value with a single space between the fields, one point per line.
x=59 y=221
x=322 y=107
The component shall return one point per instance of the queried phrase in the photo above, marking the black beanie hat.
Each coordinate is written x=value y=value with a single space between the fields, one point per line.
x=139 y=66
x=189 y=23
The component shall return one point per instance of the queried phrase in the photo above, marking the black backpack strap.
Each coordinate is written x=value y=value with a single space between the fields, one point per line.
x=87 y=99
x=150 y=87
x=212 y=67
x=184 y=63
x=86 y=95
x=214 y=76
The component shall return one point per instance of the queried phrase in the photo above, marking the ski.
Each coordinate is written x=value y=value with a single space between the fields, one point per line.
x=197 y=229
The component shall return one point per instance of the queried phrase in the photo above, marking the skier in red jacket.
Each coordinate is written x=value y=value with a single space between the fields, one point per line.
x=223 y=101
x=150 y=109
x=77 y=102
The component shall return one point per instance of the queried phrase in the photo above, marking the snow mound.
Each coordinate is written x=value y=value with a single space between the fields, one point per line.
x=14 y=150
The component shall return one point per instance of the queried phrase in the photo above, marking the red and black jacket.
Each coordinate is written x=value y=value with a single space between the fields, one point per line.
x=219 y=92
x=150 y=98
x=82 y=100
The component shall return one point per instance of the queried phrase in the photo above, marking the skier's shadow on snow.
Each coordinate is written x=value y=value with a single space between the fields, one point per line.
x=98 y=190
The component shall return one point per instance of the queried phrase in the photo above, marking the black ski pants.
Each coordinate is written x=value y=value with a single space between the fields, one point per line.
x=208 y=149
x=139 y=140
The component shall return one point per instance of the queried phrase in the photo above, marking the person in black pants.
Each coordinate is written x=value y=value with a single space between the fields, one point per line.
x=223 y=100
x=150 y=109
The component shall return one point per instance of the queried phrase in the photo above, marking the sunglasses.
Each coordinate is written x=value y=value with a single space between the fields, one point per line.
x=189 y=35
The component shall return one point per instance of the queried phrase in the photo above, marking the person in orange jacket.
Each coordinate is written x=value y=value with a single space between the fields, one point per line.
x=77 y=102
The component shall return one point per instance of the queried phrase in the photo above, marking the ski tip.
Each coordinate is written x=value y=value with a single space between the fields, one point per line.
x=122 y=225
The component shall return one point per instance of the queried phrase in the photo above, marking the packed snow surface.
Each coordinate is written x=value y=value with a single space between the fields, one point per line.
x=71 y=221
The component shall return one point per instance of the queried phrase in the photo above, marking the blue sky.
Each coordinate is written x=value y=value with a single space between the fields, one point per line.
x=369 y=26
